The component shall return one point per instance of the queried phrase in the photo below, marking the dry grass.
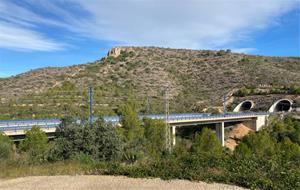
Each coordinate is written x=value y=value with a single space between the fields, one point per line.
x=58 y=168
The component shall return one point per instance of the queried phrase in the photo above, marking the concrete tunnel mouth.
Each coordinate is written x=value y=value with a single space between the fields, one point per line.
x=246 y=105
x=284 y=105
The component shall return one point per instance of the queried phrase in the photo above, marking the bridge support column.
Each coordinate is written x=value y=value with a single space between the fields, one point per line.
x=173 y=135
x=261 y=121
x=257 y=123
x=220 y=132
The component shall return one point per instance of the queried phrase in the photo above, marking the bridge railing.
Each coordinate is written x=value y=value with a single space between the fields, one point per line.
x=26 y=127
x=176 y=117
x=38 y=122
x=215 y=116
x=51 y=123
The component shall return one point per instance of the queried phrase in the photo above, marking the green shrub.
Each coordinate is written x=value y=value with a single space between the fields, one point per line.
x=242 y=150
x=6 y=147
x=268 y=159
x=35 y=145
x=289 y=149
x=82 y=158
x=155 y=136
x=207 y=143
x=98 y=140
x=130 y=121
x=132 y=131
x=260 y=144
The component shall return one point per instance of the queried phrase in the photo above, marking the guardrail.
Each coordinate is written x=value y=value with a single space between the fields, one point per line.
x=29 y=122
x=16 y=125
x=27 y=127
x=216 y=116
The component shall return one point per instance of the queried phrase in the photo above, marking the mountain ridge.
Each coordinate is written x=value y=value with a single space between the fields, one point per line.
x=196 y=78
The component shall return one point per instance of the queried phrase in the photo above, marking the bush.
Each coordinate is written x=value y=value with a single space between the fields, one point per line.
x=6 y=147
x=35 y=145
x=207 y=143
x=289 y=149
x=68 y=141
x=155 y=136
x=268 y=159
x=109 y=144
x=99 y=140
x=260 y=144
x=130 y=121
x=294 y=90
x=132 y=131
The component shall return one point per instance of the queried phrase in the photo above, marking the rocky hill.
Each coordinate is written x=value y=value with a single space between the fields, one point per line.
x=195 y=78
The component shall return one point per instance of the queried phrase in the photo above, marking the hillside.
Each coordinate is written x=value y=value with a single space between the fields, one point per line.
x=196 y=79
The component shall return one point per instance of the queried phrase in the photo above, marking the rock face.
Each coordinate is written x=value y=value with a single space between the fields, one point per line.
x=115 y=52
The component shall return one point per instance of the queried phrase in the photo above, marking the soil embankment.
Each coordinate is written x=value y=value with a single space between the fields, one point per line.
x=236 y=135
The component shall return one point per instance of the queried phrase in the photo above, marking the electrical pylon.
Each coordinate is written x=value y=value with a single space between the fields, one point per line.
x=167 y=128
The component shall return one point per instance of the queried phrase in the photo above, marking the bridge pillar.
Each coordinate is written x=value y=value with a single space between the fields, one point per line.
x=173 y=135
x=261 y=121
x=220 y=132
x=257 y=123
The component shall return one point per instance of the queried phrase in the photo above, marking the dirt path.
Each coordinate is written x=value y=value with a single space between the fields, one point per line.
x=105 y=183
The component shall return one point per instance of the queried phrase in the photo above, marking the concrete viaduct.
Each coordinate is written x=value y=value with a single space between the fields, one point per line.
x=241 y=114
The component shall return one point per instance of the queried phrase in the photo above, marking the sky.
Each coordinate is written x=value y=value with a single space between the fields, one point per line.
x=56 y=33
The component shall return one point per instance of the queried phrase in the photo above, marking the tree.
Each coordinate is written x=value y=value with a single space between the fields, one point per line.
x=99 y=140
x=35 y=144
x=296 y=136
x=242 y=150
x=207 y=143
x=109 y=144
x=155 y=136
x=130 y=121
x=6 y=147
x=69 y=140
x=260 y=144
x=132 y=131
x=290 y=150
x=280 y=129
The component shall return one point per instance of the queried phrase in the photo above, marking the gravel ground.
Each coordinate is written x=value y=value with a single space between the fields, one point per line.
x=105 y=183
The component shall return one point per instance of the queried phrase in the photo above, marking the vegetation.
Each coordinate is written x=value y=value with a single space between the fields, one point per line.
x=130 y=121
x=98 y=140
x=252 y=90
x=35 y=145
x=154 y=137
x=5 y=147
x=268 y=159
x=207 y=143
x=196 y=79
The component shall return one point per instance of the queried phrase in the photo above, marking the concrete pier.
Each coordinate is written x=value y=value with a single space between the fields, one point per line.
x=220 y=132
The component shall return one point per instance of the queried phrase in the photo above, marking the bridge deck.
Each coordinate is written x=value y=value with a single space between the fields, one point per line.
x=19 y=127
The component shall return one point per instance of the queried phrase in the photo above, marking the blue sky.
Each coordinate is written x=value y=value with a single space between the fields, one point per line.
x=36 y=34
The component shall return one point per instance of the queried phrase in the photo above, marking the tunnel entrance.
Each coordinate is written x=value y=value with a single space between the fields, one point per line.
x=246 y=105
x=283 y=106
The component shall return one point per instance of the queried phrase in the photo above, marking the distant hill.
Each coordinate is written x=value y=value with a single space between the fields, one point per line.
x=196 y=79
